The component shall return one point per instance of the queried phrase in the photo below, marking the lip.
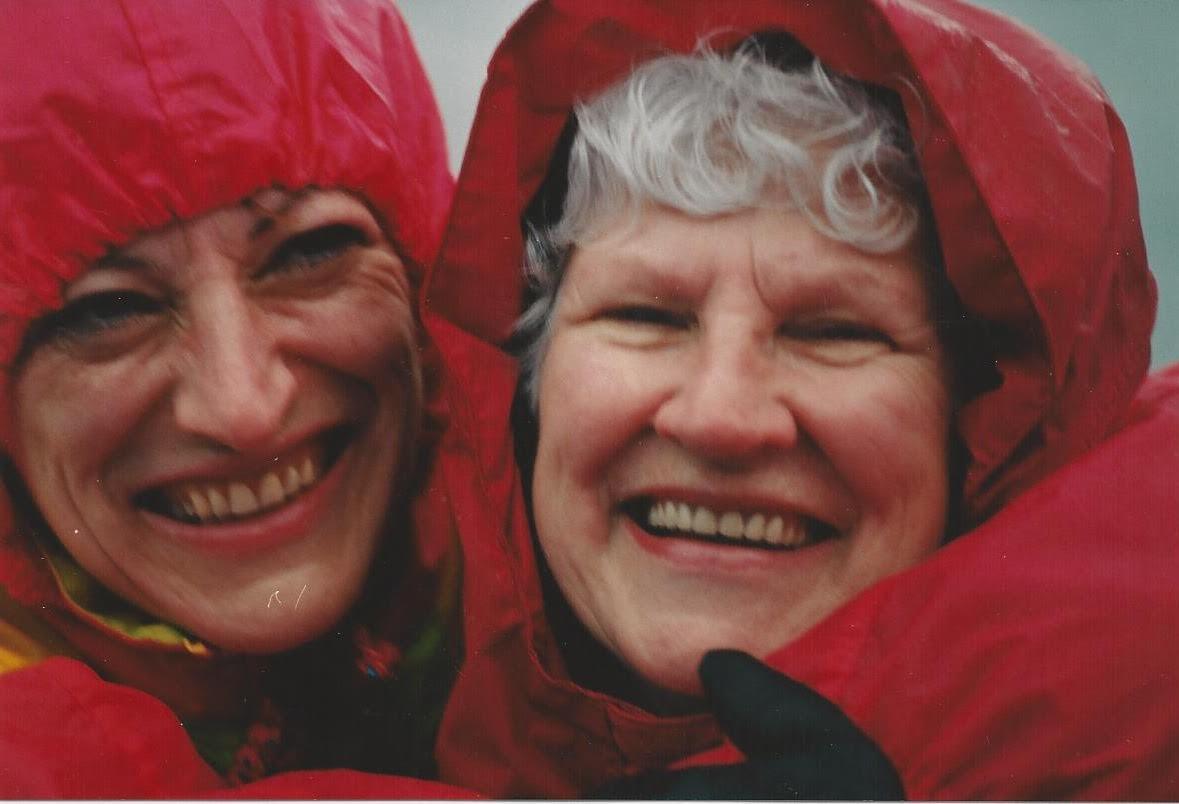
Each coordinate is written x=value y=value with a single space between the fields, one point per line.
x=227 y=469
x=283 y=525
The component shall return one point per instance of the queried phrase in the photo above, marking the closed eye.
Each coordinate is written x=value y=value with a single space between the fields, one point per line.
x=836 y=331
x=94 y=315
x=646 y=314
x=311 y=248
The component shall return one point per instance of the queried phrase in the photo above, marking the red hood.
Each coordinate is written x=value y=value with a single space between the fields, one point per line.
x=118 y=116
x=1033 y=191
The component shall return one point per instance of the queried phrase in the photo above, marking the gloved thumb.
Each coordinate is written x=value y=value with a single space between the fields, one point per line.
x=765 y=713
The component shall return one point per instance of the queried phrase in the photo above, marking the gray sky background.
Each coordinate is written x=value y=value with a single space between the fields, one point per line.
x=1132 y=46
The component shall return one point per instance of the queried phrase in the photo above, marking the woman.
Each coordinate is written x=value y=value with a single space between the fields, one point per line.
x=214 y=222
x=760 y=356
x=736 y=327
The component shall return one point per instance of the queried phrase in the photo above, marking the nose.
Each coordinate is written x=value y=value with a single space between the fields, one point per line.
x=728 y=404
x=237 y=387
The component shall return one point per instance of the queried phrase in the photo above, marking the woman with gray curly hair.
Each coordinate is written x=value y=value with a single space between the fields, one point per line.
x=735 y=327
x=829 y=401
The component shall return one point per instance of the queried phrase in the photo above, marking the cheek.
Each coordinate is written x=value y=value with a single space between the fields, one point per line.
x=363 y=332
x=72 y=419
x=887 y=432
x=586 y=413
x=593 y=402
x=369 y=338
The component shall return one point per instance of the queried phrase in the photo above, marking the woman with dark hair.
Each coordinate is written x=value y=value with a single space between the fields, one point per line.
x=816 y=369
x=223 y=554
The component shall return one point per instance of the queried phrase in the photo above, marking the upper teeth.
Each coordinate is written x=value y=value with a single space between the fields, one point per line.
x=702 y=521
x=219 y=501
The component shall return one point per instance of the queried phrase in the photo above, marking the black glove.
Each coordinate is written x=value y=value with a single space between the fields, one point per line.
x=798 y=744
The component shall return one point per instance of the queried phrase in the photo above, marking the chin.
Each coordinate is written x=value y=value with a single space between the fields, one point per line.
x=675 y=667
x=670 y=668
x=276 y=638
x=271 y=630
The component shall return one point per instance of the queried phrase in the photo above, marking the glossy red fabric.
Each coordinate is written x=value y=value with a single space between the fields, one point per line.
x=118 y=116
x=1031 y=657
x=113 y=741
x=108 y=740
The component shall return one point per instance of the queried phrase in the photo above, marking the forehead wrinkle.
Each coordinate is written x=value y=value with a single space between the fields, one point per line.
x=272 y=204
x=756 y=268
x=695 y=262
x=642 y=267
x=845 y=274
x=160 y=251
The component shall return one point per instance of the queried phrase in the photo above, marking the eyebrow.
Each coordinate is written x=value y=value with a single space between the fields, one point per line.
x=117 y=259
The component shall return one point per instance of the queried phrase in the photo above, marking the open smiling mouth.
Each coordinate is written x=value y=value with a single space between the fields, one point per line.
x=217 y=501
x=665 y=518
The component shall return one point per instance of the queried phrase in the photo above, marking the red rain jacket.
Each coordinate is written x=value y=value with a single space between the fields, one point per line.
x=118 y=116
x=1032 y=657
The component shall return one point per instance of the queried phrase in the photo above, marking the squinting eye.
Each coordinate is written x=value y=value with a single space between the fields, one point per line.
x=94 y=315
x=654 y=316
x=837 y=331
x=309 y=249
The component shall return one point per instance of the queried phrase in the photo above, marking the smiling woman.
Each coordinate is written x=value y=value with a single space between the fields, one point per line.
x=217 y=431
x=745 y=320
x=263 y=398
x=838 y=475
x=745 y=378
